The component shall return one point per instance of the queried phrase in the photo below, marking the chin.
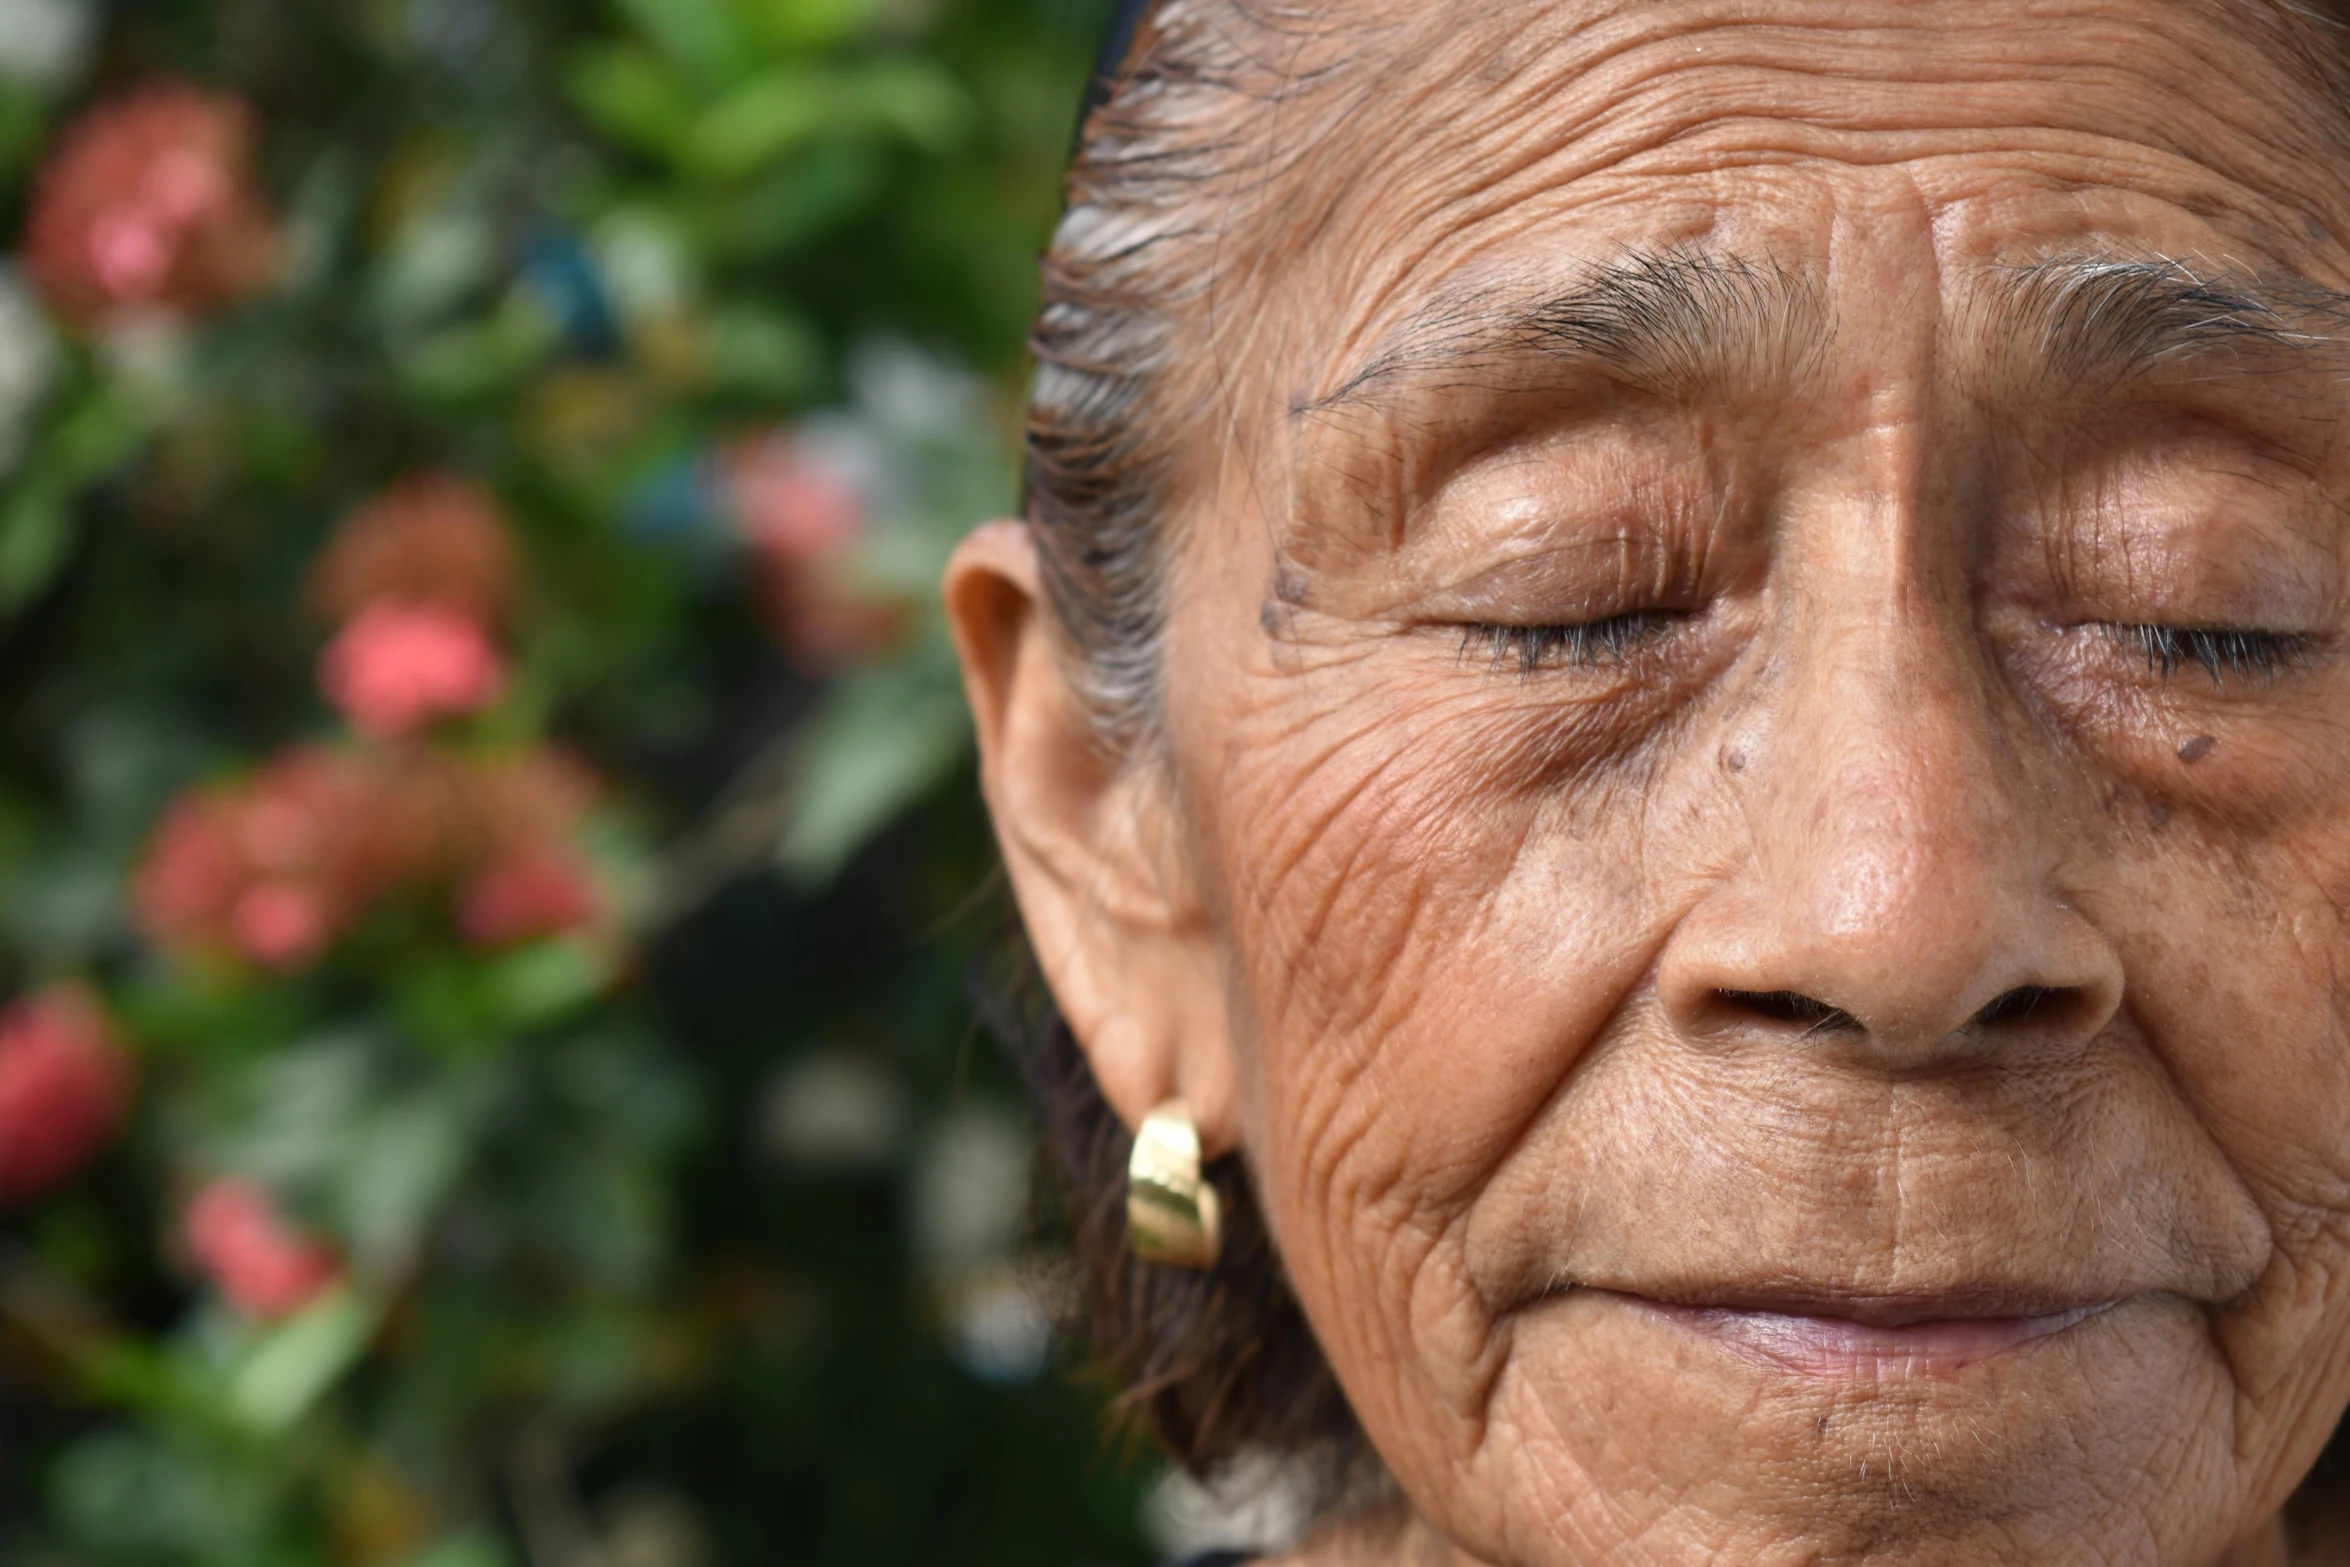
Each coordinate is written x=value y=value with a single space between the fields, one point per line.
x=1740 y=1434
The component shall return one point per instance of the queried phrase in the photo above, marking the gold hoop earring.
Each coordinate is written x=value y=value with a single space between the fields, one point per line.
x=1172 y=1214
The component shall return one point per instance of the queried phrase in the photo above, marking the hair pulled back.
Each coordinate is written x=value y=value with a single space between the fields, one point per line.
x=1220 y=1363
x=1178 y=165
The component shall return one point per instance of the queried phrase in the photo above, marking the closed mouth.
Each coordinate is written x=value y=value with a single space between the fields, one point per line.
x=1892 y=1335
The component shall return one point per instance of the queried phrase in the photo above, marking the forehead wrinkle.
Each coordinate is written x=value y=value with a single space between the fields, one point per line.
x=2104 y=321
x=1674 y=323
x=1528 y=99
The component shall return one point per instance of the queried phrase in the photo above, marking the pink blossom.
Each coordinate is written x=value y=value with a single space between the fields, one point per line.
x=432 y=538
x=64 y=1085
x=524 y=898
x=150 y=201
x=271 y=868
x=260 y=1264
x=129 y=254
x=281 y=924
x=280 y=830
x=182 y=187
x=193 y=870
x=791 y=504
x=396 y=667
x=801 y=514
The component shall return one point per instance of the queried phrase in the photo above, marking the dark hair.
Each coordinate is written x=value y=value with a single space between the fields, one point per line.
x=1210 y=1364
x=1218 y=1363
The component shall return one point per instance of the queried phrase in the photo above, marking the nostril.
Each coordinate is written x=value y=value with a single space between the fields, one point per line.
x=2017 y=1005
x=1789 y=1006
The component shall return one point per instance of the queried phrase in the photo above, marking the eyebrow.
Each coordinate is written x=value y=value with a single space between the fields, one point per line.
x=2092 y=320
x=1671 y=322
x=1677 y=322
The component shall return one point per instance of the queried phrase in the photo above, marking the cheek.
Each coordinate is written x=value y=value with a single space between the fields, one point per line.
x=2222 y=872
x=2242 y=954
x=2229 y=895
x=2251 y=1012
x=2230 y=899
x=1406 y=883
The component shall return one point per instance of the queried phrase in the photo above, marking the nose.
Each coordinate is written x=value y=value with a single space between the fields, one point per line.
x=1896 y=897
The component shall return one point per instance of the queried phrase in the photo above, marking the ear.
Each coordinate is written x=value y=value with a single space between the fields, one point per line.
x=1096 y=853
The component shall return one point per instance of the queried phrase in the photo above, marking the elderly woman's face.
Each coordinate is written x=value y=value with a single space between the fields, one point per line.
x=1756 y=844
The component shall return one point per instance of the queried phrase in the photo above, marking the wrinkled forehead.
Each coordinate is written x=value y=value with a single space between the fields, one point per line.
x=1418 y=153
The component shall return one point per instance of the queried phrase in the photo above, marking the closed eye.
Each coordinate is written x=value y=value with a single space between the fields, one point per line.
x=2221 y=652
x=1592 y=644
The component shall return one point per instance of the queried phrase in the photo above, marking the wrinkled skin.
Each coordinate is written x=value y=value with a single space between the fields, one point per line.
x=1846 y=1059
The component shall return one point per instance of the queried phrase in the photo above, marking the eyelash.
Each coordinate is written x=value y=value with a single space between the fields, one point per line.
x=1593 y=644
x=2223 y=653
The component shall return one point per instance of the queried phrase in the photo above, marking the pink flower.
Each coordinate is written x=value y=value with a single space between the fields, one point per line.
x=524 y=898
x=396 y=667
x=271 y=869
x=64 y=1085
x=432 y=538
x=193 y=870
x=150 y=201
x=790 y=503
x=281 y=924
x=801 y=515
x=260 y=1265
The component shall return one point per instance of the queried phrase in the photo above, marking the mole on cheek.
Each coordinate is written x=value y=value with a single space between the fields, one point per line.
x=1289 y=592
x=2197 y=749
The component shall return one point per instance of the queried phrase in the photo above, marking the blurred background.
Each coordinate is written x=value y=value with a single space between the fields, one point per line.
x=489 y=862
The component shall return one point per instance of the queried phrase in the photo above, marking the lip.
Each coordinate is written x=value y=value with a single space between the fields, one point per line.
x=1890 y=1337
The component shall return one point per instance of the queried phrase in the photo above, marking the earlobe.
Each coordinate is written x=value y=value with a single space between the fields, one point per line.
x=1090 y=849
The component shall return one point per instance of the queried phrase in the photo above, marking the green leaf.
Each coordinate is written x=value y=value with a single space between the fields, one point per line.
x=93 y=438
x=96 y=436
x=36 y=535
x=790 y=106
x=767 y=352
x=594 y=1356
x=135 y=1374
x=463 y=363
x=471 y=1549
x=882 y=739
x=24 y=123
x=647 y=261
x=211 y=1015
x=906 y=98
x=63 y=910
x=801 y=198
x=294 y=1365
x=538 y=984
x=130 y=1496
x=432 y=265
x=790 y=26
x=470 y=1003
x=699 y=36
x=630 y=96
x=285 y=1116
x=400 y=1166
x=759 y=122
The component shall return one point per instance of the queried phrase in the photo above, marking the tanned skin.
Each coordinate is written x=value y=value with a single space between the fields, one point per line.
x=1751 y=822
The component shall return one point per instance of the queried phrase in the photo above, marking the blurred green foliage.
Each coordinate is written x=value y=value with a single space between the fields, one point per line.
x=669 y=1216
